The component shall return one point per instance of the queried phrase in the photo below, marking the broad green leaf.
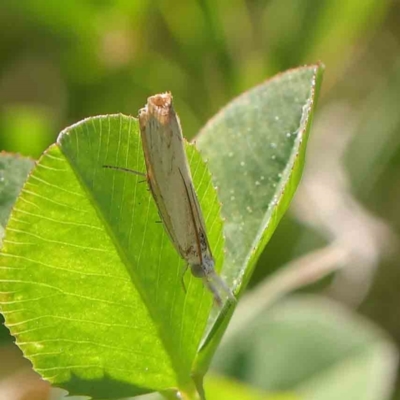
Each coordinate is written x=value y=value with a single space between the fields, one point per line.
x=255 y=149
x=90 y=283
x=314 y=348
x=14 y=170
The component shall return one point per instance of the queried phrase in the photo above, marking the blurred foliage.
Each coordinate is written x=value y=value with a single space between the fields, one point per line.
x=86 y=58
x=222 y=388
x=61 y=62
x=332 y=355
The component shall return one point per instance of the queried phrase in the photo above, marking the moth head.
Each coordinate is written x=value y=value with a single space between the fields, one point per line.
x=205 y=268
x=197 y=270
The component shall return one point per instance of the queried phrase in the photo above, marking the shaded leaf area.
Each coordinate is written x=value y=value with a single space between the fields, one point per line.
x=255 y=149
x=218 y=387
x=14 y=170
x=314 y=348
x=90 y=283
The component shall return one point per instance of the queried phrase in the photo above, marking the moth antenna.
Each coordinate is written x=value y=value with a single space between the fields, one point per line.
x=123 y=169
x=214 y=290
x=219 y=285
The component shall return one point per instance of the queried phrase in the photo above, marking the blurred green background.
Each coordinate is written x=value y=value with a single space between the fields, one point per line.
x=63 y=61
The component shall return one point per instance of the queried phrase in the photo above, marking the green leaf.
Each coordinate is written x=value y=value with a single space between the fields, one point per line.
x=255 y=149
x=90 y=283
x=314 y=348
x=14 y=170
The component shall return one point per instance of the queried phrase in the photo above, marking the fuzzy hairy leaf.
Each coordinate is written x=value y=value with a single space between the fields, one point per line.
x=255 y=148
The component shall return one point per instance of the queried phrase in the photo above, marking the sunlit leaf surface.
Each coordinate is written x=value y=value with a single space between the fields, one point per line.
x=90 y=283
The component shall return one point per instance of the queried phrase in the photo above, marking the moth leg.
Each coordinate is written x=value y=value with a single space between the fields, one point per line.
x=183 y=277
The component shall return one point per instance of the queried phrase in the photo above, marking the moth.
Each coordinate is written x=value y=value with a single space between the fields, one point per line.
x=171 y=185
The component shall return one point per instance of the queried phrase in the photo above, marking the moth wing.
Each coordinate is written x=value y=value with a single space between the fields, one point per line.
x=156 y=155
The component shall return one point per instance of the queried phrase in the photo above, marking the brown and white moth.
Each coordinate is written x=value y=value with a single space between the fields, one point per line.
x=171 y=185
